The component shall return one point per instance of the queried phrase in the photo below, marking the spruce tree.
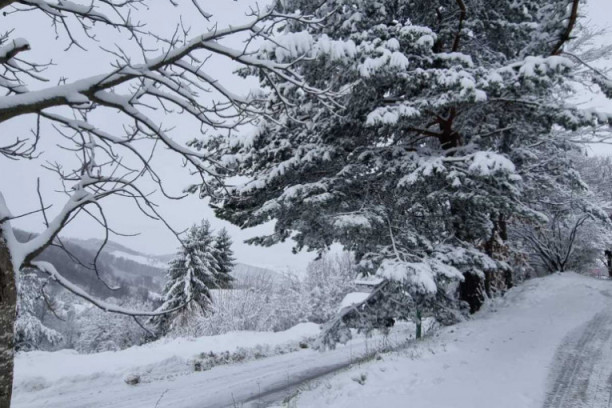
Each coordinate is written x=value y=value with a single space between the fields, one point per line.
x=192 y=273
x=225 y=259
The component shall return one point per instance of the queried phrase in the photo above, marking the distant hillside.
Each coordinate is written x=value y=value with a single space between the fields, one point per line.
x=118 y=266
x=121 y=251
x=134 y=272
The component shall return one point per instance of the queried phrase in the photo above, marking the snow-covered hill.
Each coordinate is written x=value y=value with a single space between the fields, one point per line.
x=156 y=265
x=248 y=275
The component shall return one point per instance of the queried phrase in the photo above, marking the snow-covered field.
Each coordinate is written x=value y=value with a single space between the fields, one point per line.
x=504 y=357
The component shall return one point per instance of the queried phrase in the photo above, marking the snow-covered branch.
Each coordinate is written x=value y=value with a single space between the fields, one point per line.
x=50 y=270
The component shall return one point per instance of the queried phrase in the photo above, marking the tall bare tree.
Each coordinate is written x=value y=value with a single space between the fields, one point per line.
x=152 y=77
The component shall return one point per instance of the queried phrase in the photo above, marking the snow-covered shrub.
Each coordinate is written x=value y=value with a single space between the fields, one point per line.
x=97 y=330
x=206 y=361
x=265 y=304
x=573 y=229
x=289 y=303
x=328 y=280
x=573 y=239
x=30 y=331
x=261 y=305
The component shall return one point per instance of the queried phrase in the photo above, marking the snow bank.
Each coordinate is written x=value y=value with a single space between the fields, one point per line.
x=39 y=369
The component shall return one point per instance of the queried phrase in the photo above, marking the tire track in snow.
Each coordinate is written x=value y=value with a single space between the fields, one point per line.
x=582 y=368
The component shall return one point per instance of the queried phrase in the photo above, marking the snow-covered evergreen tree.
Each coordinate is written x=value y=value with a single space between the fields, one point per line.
x=225 y=259
x=419 y=174
x=191 y=275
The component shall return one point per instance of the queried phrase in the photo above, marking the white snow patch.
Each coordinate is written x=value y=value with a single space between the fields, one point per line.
x=351 y=221
x=419 y=274
x=390 y=115
x=489 y=163
x=353 y=298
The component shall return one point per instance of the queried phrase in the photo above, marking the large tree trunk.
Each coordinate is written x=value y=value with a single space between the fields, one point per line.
x=8 y=309
x=471 y=291
x=609 y=262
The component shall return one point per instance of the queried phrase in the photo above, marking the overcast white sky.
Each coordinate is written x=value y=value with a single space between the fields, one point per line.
x=18 y=179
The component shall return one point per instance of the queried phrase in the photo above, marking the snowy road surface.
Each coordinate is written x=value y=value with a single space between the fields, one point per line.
x=582 y=370
x=546 y=344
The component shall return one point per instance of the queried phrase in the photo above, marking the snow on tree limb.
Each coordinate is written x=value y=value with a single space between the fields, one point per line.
x=14 y=47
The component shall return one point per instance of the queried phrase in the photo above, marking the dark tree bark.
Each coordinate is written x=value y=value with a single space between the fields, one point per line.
x=471 y=291
x=609 y=262
x=8 y=310
x=419 y=324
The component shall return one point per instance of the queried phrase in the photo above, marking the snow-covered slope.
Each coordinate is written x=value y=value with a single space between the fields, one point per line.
x=68 y=380
x=506 y=357
x=141 y=259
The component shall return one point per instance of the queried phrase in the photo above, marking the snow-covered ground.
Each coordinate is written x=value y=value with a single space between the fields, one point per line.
x=547 y=343
x=69 y=380
x=163 y=359
x=511 y=355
